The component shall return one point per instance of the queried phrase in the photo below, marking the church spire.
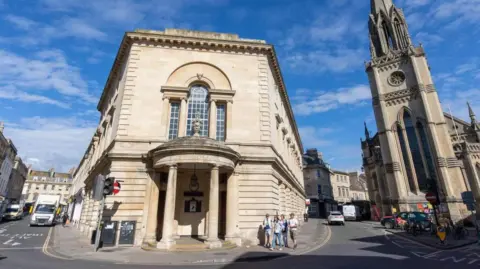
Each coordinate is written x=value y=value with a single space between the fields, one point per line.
x=471 y=114
x=377 y=5
x=367 y=133
x=388 y=29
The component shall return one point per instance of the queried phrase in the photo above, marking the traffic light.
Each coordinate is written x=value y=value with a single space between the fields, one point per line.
x=108 y=186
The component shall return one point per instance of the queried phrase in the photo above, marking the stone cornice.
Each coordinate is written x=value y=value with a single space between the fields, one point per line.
x=209 y=44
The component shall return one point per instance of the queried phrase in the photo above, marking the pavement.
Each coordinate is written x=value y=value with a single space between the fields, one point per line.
x=67 y=243
x=356 y=245
x=433 y=241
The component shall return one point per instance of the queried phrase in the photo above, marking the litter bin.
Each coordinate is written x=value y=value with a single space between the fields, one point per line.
x=127 y=233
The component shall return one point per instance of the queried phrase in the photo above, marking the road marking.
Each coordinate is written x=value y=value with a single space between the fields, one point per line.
x=8 y=242
x=45 y=246
x=20 y=248
x=397 y=244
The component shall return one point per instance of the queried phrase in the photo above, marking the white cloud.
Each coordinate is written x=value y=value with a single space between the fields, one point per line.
x=465 y=11
x=46 y=70
x=429 y=39
x=20 y=22
x=51 y=142
x=75 y=27
x=465 y=68
x=326 y=101
x=337 y=60
x=11 y=94
x=313 y=137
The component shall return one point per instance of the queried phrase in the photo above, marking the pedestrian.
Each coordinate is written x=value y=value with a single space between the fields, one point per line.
x=277 y=234
x=64 y=219
x=284 y=223
x=267 y=228
x=293 y=225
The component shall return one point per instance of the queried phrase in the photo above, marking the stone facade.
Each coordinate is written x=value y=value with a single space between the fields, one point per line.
x=243 y=162
x=17 y=180
x=318 y=184
x=341 y=186
x=47 y=182
x=8 y=153
x=413 y=151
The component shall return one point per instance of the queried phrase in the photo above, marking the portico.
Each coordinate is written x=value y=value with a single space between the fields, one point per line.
x=192 y=167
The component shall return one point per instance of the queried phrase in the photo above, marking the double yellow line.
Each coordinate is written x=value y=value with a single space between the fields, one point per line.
x=45 y=246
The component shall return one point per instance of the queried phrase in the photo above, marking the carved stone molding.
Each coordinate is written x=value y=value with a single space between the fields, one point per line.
x=392 y=167
x=453 y=162
x=442 y=162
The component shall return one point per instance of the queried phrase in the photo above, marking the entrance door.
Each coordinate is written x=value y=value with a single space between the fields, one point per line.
x=222 y=215
x=161 y=210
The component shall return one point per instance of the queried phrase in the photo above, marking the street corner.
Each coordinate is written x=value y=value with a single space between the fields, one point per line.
x=53 y=250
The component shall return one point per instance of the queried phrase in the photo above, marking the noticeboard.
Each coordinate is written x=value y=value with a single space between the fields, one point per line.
x=127 y=233
x=109 y=232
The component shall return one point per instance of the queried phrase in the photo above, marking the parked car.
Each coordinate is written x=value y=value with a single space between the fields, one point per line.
x=336 y=217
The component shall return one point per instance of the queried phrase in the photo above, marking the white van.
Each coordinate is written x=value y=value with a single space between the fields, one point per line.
x=44 y=211
x=13 y=212
x=351 y=212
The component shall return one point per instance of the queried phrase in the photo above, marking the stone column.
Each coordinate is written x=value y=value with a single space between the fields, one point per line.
x=165 y=115
x=151 y=233
x=169 y=213
x=228 y=119
x=232 y=210
x=212 y=121
x=213 y=206
x=182 y=121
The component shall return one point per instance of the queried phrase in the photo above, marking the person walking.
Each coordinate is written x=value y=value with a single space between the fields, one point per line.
x=284 y=223
x=64 y=219
x=267 y=228
x=293 y=225
x=277 y=233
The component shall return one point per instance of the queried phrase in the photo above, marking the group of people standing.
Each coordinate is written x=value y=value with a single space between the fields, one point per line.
x=278 y=229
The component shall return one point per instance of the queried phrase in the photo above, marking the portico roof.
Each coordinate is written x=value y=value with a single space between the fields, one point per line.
x=194 y=149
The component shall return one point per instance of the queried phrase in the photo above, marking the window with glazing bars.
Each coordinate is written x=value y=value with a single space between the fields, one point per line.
x=220 y=134
x=174 y=116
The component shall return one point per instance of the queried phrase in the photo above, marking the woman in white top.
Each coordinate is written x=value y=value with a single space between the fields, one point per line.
x=267 y=228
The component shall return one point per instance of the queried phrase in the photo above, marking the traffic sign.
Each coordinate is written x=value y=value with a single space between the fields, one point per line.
x=431 y=197
x=116 y=187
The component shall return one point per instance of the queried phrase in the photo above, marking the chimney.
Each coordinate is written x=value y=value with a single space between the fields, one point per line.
x=320 y=155
x=1 y=127
x=312 y=153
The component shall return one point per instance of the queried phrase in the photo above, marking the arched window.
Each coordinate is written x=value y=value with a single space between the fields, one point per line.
x=428 y=157
x=388 y=35
x=400 y=34
x=403 y=147
x=198 y=103
x=415 y=150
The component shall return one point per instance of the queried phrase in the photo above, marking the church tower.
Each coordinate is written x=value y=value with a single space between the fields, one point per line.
x=416 y=148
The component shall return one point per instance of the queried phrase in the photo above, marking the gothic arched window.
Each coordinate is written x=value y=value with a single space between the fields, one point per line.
x=414 y=149
x=403 y=148
x=388 y=35
x=428 y=156
x=198 y=103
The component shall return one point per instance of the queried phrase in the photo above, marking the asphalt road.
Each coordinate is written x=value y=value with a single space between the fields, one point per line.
x=356 y=245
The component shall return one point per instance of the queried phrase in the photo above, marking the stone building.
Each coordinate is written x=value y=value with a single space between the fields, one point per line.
x=358 y=187
x=414 y=150
x=199 y=130
x=8 y=152
x=341 y=186
x=318 y=186
x=17 y=180
x=47 y=182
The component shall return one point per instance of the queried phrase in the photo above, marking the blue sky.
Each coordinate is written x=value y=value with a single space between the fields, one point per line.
x=55 y=56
